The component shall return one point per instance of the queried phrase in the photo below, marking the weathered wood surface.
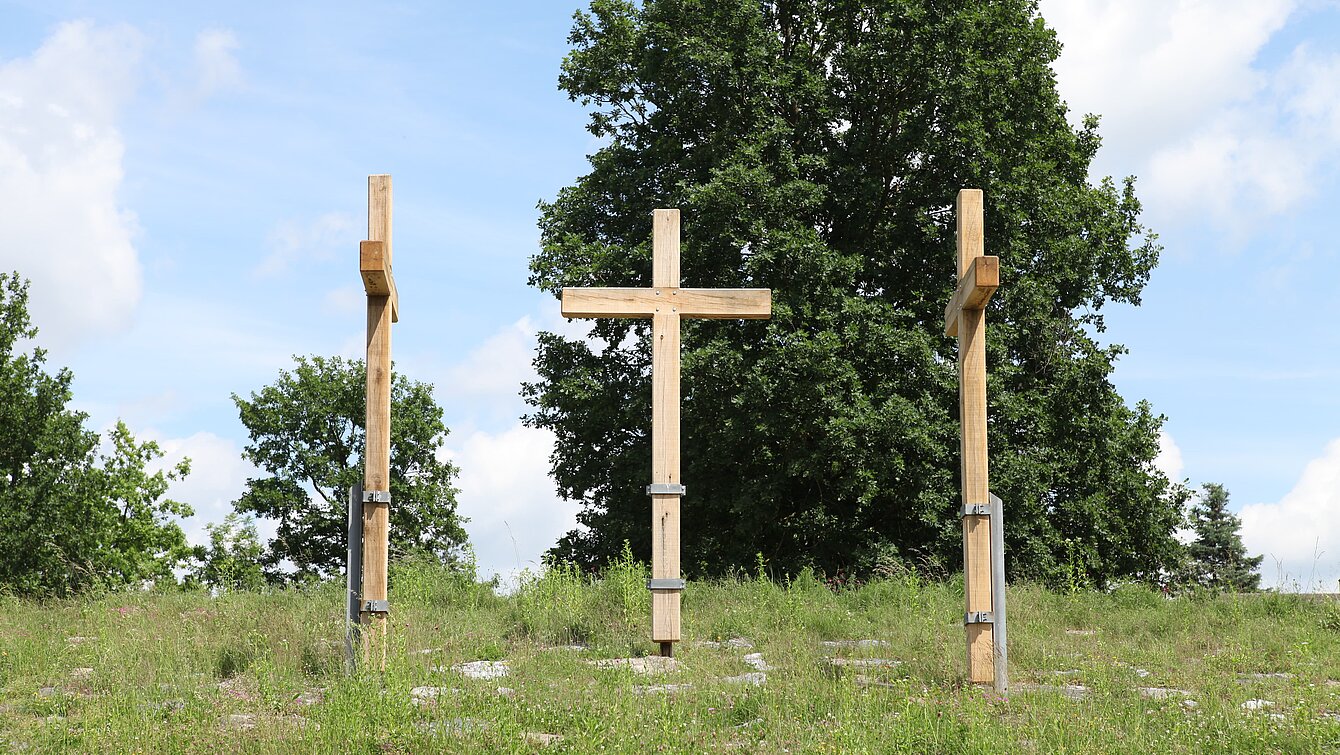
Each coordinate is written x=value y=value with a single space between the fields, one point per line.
x=978 y=280
x=377 y=453
x=665 y=303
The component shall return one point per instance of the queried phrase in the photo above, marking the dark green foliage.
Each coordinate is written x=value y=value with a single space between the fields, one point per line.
x=307 y=432
x=71 y=518
x=1218 y=559
x=815 y=148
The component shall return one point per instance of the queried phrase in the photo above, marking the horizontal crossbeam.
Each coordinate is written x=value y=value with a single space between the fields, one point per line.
x=376 y=271
x=705 y=303
x=974 y=290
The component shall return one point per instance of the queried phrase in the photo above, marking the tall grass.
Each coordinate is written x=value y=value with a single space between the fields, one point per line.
x=263 y=672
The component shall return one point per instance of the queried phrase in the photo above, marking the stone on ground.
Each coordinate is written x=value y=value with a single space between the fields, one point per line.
x=540 y=738
x=482 y=669
x=651 y=664
x=855 y=643
x=1161 y=693
x=239 y=722
x=756 y=662
x=1068 y=691
x=734 y=643
x=756 y=678
x=864 y=663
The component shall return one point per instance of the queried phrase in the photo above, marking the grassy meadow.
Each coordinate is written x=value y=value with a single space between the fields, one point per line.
x=1116 y=672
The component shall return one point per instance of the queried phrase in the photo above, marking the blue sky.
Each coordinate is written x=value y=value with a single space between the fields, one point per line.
x=185 y=185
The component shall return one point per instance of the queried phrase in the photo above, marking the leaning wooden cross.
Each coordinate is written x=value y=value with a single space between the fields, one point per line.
x=374 y=263
x=979 y=276
x=665 y=303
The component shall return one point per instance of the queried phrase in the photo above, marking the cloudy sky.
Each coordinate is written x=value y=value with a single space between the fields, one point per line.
x=185 y=186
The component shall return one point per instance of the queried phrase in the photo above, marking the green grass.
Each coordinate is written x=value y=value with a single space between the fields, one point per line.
x=170 y=669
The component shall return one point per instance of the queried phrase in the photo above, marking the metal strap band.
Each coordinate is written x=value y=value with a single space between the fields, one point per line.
x=979 y=617
x=665 y=488
x=377 y=606
x=376 y=496
x=975 y=509
x=665 y=584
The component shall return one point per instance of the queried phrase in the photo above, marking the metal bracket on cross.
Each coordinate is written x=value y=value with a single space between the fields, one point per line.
x=665 y=584
x=665 y=488
x=377 y=606
x=376 y=496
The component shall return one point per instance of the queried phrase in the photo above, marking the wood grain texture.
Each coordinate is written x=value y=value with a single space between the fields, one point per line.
x=665 y=565
x=974 y=290
x=665 y=249
x=379 y=211
x=377 y=451
x=666 y=303
x=975 y=487
x=702 y=303
x=376 y=271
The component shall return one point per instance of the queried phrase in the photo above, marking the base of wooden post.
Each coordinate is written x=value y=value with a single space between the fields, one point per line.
x=667 y=650
x=374 y=640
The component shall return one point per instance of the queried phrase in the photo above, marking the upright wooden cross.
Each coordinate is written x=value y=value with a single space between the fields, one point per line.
x=979 y=276
x=374 y=263
x=665 y=303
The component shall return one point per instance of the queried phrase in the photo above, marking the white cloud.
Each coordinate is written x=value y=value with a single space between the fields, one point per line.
x=60 y=176
x=495 y=369
x=1300 y=534
x=216 y=66
x=1214 y=133
x=293 y=243
x=1151 y=68
x=218 y=477
x=345 y=300
x=515 y=514
x=1169 y=459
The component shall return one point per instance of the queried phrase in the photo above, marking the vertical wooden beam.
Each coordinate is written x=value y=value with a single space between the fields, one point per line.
x=973 y=447
x=377 y=456
x=665 y=428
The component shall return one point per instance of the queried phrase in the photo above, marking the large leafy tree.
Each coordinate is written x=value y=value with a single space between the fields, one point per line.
x=73 y=518
x=1218 y=559
x=307 y=432
x=815 y=148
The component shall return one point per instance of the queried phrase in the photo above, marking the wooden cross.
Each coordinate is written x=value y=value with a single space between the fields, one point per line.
x=965 y=317
x=665 y=303
x=374 y=263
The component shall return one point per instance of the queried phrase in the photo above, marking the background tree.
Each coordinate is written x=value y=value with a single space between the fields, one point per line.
x=307 y=432
x=1218 y=559
x=232 y=560
x=815 y=147
x=71 y=518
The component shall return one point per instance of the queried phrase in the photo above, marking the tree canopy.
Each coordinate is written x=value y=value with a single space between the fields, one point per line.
x=73 y=518
x=307 y=433
x=1217 y=558
x=815 y=148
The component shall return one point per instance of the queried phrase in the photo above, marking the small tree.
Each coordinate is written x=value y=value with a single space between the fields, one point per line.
x=70 y=518
x=307 y=432
x=1218 y=559
x=232 y=561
